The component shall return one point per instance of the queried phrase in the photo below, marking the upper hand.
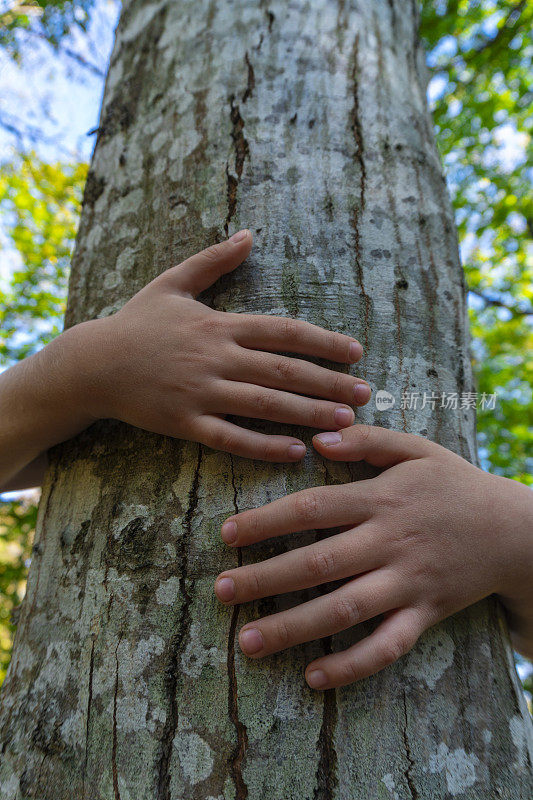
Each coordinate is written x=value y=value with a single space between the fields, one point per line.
x=172 y=365
x=429 y=536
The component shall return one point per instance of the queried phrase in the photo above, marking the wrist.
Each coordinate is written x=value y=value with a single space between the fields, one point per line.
x=44 y=401
x=83 y=370
x=514 y=526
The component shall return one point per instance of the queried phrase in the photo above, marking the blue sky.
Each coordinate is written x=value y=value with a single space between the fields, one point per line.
x=52 y=93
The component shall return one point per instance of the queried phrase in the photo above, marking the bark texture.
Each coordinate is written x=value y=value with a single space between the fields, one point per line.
x=305 y=121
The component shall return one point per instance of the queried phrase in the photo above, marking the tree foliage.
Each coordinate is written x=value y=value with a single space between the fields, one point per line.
x=480 y=56
x=17 y=524
x=50 y=19
x=39 y=204
x=39 y=209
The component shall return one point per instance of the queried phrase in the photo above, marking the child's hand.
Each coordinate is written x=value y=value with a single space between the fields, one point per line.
x=176 y=367
x=171 y=365
x=429 y=536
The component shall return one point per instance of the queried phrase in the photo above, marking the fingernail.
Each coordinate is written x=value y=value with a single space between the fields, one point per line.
x=329 y=438
x=225 y=589
x=296 y=451
x=251 y=641
x=229 y=531
x=356 y=351
x=343 y=417
x=317 y=679
x=239 y=236
x=362 y=393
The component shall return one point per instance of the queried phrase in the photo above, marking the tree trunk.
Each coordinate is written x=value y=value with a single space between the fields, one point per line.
x=307 y=122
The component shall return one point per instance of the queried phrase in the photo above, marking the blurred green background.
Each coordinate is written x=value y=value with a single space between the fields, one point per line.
x=53 y=58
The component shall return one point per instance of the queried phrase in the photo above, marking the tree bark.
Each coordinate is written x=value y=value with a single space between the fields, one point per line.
x=307 y=122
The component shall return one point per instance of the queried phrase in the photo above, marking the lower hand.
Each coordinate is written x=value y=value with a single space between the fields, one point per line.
x=429 y=536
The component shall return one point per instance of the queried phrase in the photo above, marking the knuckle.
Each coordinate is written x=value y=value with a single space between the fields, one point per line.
x=427 y=613
x=386 y=499
x=319 y=564
x=283 y=633
x=418 y=442
x=265 y=402
x=211 y=325
x=362 y=433
x=214 y=252
x=251 y=522
x=348 y=672
x=344 y=612
x=287 y=328
x=234 y=323
x=223 y=440
x=254 y=584
x=394 y=648
x=270 y=450
x=344 y=347
x=285 y=369
x=335 y=344
x=338 y=384
x=306 y=506
x=316 y=415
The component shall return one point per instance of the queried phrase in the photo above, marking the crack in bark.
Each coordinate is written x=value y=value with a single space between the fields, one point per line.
x=360 y=275
x=326 y=772
x=410 y=761
x=171 y=723
x=240 y=144
x=356 y=121
x=242 y=152
x=250 y=86
x=431 y=289
x=114 y=746
x=87 y=724
x=271 y=18
x=399 y=282
x=241 y=789
x=398 y=311
x=392 y=13
x=356 y=128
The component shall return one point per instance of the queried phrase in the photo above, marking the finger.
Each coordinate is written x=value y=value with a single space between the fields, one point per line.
x=310 y=509
x=200 y=271
x=298 y=375
x=396 y=635
x=378 y=446
x=259 y=402
x=263 y=332
x=337 y=557
x=355 y=602
x=223 y=435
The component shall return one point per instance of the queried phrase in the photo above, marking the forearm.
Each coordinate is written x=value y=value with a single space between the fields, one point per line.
x=517 y=593
x=28 y=477
x=42 y=402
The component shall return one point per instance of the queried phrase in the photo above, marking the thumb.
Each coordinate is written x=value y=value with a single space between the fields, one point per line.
x=200 y=271
x=378 y=446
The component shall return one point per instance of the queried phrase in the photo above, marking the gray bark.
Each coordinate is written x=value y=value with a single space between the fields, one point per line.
x=307 y=122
